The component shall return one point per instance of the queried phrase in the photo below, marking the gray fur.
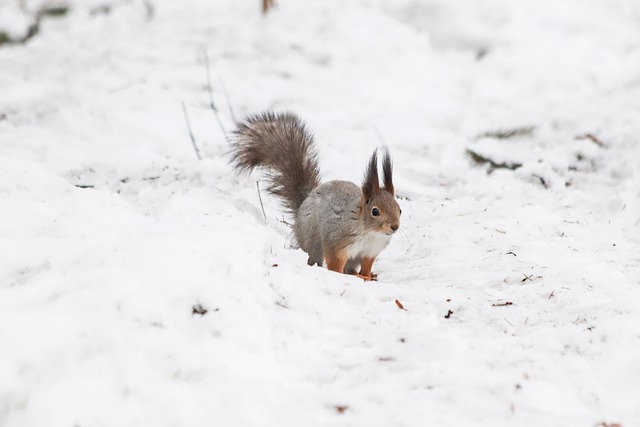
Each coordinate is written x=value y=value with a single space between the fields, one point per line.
x=328 y=218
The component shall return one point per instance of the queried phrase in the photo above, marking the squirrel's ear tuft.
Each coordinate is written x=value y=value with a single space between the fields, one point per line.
x=387 y=170
x=371 y=185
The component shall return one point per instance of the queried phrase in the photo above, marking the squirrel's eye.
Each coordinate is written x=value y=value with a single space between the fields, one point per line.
x=400 y=211
x=375 y=212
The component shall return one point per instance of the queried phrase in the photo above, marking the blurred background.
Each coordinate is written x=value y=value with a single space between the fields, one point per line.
x=141 y=284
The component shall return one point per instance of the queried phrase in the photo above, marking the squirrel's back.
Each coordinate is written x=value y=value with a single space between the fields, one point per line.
x=281 y=144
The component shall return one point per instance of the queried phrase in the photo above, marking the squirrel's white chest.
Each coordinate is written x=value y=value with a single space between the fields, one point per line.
x=368 y=245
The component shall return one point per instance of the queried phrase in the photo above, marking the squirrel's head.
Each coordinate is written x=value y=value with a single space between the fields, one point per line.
x=381 y=212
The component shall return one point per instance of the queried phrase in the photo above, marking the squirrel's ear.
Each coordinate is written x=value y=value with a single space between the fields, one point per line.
x=387 y=170
x=371 y=185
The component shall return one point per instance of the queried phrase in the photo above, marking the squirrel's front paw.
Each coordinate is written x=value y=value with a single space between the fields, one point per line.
x=372 y=277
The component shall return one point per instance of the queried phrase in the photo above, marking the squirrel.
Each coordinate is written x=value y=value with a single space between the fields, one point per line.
x=338 y=221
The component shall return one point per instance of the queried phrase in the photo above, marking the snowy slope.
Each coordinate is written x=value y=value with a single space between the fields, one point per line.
x=521 y=284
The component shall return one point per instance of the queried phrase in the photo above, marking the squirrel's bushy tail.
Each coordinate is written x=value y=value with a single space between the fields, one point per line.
x=279 y=143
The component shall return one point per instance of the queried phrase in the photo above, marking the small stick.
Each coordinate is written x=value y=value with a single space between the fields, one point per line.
x=260 y=198
x=502 y=304
x=591 y=137
x=206 y=64
x=282 y=221
x=193 y=139
x=211 y=104
x=226 y=96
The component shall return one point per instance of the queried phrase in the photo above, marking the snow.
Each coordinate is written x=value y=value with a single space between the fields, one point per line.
x=111 y=230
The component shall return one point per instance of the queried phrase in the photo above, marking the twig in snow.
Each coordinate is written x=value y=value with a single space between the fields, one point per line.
x=448 y=315
x=502 y=304
x=193 y=139
x=211 y=104
x=281 y=302
x=531 y=277
x=552 y=294
x=260 y=198
x=209 y=90
x=591 y=137
x=542 y=180
x=283 y=221
x=229 y=104
x=508 y=133
x=198 y=309
x=34 y=28
x=54 y=11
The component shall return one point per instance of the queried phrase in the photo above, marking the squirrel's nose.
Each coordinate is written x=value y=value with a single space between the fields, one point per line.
x=394 y=227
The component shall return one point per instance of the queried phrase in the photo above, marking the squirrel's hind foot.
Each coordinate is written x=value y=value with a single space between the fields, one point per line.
x=372 y=277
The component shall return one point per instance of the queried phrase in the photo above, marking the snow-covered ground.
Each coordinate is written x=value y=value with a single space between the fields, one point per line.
x=521 y=283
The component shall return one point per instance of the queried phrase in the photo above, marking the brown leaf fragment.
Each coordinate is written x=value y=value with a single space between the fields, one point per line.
x=341 y=409
x=274 y=265
x=400 y=306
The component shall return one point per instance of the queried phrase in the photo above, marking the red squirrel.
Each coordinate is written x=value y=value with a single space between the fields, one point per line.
x=339 y=222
